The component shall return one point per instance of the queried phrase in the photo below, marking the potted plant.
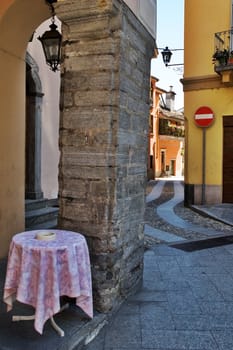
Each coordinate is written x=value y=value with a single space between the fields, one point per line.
x=230 y=59
x=221 y=57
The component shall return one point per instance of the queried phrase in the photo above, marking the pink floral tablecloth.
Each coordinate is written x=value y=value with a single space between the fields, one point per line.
x=39 y=272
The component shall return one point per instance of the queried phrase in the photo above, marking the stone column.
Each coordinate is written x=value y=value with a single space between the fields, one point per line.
x=103 y=139
x=34 y=99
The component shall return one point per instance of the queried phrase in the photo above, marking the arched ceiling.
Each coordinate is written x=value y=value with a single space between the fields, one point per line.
x=18 y=20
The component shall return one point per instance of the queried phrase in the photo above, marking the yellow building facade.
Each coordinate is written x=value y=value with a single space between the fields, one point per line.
x=208 y=156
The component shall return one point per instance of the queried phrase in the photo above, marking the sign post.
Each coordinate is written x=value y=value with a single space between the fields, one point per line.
x=203 y=118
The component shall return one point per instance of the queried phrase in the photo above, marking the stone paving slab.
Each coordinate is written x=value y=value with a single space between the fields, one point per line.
x=221 y=212
x=172 y=340
x=193 y=310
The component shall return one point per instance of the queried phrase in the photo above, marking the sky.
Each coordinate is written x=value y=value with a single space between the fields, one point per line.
x=170 y=32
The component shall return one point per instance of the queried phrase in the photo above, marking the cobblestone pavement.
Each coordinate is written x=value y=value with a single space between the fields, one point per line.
x=154 y=220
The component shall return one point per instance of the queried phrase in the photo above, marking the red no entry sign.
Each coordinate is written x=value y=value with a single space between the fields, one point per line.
x=204 y=116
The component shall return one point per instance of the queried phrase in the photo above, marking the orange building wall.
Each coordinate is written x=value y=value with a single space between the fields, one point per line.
x=171 y=145
x=173 y=151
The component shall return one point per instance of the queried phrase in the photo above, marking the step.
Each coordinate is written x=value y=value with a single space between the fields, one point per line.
x=39 y=216
x=52 y=224
x=33 y=204
x=53 y=202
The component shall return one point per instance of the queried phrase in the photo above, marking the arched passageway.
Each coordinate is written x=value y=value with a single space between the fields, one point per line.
x=105 y=80
x=16 y=28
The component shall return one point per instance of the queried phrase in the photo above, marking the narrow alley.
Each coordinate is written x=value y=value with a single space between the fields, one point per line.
x=116 y=165
x=186 y=301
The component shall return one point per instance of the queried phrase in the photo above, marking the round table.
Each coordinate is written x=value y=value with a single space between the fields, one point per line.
x=40 y=271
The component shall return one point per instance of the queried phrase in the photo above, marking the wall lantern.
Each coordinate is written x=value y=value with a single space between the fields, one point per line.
x=51 y=42
x=167 y=54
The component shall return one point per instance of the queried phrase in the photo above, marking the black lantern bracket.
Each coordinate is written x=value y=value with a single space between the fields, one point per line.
x=167 y=54
x=51 y=42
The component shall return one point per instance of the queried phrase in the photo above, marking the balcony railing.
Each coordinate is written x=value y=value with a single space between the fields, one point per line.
x=170 y=130
x=223 y=54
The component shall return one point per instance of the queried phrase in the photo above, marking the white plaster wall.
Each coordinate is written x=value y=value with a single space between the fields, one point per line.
x=50 y=115
x=146 y=11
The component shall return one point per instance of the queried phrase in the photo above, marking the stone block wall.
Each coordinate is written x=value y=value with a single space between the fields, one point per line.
x=103 y=140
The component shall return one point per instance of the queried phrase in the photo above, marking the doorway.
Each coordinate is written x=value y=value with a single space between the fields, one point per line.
x=163 y=161
x=227 y=196
x=173 y=167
